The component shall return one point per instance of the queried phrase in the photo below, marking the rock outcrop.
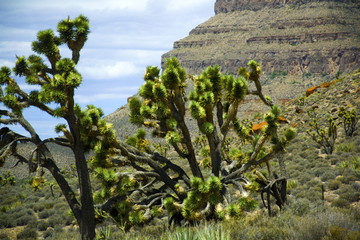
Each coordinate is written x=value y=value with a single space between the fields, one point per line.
x=225 y=6
x=292 y=36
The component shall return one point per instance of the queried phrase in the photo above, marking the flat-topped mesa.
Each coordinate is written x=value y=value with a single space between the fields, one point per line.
x=293 y=36
x=225 y=6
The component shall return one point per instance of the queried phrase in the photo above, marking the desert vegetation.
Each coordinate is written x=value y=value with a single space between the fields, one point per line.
x=208 y=175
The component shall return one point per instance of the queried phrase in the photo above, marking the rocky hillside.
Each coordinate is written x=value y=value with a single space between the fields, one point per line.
x=292 y=36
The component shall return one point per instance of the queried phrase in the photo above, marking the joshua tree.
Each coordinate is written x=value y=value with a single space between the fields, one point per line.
x=349 y=119
x=138 y=183
x=57 y=84
x=156 y=182
x=325 y=139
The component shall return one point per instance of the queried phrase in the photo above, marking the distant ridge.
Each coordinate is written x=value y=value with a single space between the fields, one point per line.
x=295 y=36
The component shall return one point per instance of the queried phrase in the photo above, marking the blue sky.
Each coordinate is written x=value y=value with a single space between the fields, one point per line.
x=126 y=36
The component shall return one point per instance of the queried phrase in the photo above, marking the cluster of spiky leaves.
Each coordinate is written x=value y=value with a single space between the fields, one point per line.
x=211 y=88
x=202 y=193
x=159 y=93
x=206 y=193
x=349 y=119
x=7 y=178
x=213 y=103
x=54 y=81
x=138 y=141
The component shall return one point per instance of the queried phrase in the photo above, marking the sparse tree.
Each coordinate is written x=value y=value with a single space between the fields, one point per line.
x=156 y=182
x=349 y=120
x=324 y=138
x=57 y=83
x=138 y=183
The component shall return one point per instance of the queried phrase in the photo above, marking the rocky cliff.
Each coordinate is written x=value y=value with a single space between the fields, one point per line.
x=225 y=6
x=292 y=36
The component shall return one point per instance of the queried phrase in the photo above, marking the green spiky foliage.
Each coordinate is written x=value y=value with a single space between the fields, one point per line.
x=138 y=141
x=349 y=120
x=55 y=85
x=213 y=103
x=7 y=178
x=324 y=138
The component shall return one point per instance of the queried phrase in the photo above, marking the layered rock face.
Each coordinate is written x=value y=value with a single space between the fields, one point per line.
x=225 y=6
x=292 y=36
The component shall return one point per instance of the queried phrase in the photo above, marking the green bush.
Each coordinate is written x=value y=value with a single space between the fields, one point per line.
x=39 y=207
x=4 y=236
x=25 y=220
x=341 y=203
x=301 y=207
x=55 y=220
x=42 y=225
x=27 y=233
x=48 y=234
x=7 y=221
x=352 y=196
x=334 y=184
x=48 y=204
x=44 y=214
x=328 y=176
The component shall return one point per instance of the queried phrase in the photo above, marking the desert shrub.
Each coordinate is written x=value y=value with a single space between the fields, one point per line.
x=314 y=225
x=346 y=147
x=42 y=225
x=300 y=207
x=4 y=236
x=334 y=184
x=319 y=171
x=38 y=207
x=328 y=176
x=341 y=203
x=308 y=154
x=355 y=213
x=58 y=229
x=31 y=198
x=48 y=204
x=55 y=220
x=313 y=183
x=61 y=206
x=356 y=186
x=304 y=178
x=294 y=173
x=352 y=196
x=7 y=221
x=25 y=220
x=266 y=232
x=48 y=234
x=333 y=160
x=27 y=233
x=68 y=220
x=44 y=214
x=345 y=189
x=9 y=201
x=347 y=179
x=312 y=194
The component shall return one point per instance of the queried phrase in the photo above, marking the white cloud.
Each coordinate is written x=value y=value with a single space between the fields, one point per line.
x=102 y=71
x=111 y=94
x=106 y=5
x=176 y=5
x=126 y=36
x=86 y=99
x=6 y=63
x=27 y=87
x=18 y=47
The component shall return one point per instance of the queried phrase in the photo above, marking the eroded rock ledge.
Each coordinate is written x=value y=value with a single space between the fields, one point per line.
x=225 y=6
x=295 y=36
